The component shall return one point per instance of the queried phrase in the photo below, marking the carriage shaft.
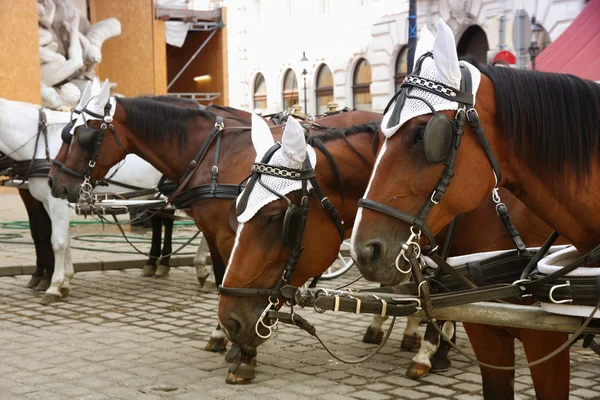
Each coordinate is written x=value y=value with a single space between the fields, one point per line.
x=511 y=315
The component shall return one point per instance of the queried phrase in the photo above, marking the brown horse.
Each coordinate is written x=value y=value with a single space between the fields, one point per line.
x=169 y=137
x=543 y=132
x=259 y=258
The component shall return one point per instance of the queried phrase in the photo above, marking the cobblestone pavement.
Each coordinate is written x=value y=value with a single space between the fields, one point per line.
x=120 y=336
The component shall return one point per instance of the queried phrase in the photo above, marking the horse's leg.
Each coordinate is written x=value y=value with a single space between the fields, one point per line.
x=374 y=333
x=200 y=262
x=46 y=250
x=411 y=341
x=34 y=210
x=150 y=267
x=495 y=346
x=440 y=361
x=421 y=362
x=550 y=378
x=59 y=215
x=163 y=268
x=218 y=341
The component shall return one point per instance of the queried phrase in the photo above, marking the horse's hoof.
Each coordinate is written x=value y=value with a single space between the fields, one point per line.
x=49 y=299
x=234 y=379
x=410 y=343
x=372 y=336
x=417 y=370
x=64 y=292
x=148 y=270
x=43 y=285
x=202 y=278
x=440 y=364
x=162 y=271
x=216 y=345
x=241 y=371
x=34 y=281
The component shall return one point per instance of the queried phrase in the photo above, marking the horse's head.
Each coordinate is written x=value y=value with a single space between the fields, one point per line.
x=91 y=89
x=272 y=212
x=423 y=129
x=98 y=142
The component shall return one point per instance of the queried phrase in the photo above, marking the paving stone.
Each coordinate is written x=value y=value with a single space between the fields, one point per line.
x=119 y=335
x=585 y=393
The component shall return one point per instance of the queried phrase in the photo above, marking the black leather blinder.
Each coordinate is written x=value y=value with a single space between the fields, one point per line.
x=66 y=133
x=292 y=225
x=86 y=137
x=437 y=140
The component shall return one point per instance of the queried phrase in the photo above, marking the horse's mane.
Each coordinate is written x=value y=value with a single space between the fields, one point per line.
x=233 y=113
x=551 y=120
x=341 y=133
x=158 y=120
x=175 y=101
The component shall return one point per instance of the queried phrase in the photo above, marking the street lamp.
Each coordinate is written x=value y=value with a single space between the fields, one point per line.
x=536 y=37
x=304 y=63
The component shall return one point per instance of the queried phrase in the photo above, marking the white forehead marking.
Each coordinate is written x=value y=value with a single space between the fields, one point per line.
x=360 y=209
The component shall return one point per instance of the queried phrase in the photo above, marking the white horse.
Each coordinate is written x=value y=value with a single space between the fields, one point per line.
x=18 y=132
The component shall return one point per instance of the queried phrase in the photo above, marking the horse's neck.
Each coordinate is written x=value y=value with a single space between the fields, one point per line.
x=19 y=127
x=164 y=155
x=570 y=208
x=354 y=173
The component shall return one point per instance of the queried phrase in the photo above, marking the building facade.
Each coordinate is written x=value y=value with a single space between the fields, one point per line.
x=355 y=50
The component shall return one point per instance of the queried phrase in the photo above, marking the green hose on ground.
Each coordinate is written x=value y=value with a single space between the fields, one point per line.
x=91 y=237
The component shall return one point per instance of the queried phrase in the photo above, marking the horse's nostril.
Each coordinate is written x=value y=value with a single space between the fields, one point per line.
x=376 y=251
x=50 y=182
x=370 y=252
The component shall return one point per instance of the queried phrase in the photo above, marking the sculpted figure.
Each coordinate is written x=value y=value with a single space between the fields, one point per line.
x=70 y=49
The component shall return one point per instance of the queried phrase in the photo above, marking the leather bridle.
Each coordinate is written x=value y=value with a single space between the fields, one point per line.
x=305 y=174
x=465 y=112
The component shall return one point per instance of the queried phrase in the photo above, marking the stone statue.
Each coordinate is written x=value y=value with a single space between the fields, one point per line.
x=70 y=49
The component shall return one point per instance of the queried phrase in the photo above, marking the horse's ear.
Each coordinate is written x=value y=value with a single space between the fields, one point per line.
x=424 y=44
x=293 y=142
x=96 y=86
x=262 y=139
x=447 y=69
x=101 y=98
x=86 y=94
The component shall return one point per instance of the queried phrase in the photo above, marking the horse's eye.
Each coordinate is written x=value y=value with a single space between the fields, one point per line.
x=419 y=134
x=271 y=219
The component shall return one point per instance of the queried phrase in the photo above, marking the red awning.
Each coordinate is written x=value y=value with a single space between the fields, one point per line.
x=577 y=50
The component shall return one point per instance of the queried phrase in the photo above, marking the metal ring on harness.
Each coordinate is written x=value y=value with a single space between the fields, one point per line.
x=551 y=294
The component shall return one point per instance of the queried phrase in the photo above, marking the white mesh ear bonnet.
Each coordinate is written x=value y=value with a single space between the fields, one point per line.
x=98 y=99
x=260 y=196
x=443 y=68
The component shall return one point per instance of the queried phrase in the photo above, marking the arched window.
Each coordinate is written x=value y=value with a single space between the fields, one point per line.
x=324 y=91
x=260 y=93
x=361 y=85
x=401 y=67
x=290 y=89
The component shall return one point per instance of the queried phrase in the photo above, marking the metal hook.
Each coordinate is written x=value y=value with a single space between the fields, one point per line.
x=261 y=321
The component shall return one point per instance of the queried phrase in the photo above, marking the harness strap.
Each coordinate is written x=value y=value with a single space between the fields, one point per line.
x=215 y=169
x=329 y=207
x=480 y=133
x=423 y=288
x=450 y=270
x=510 y=227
